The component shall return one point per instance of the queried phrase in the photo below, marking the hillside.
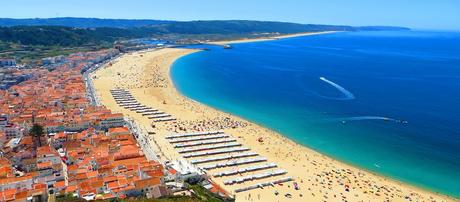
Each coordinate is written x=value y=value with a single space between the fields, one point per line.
x=64 y=36
x=29 y=39
x=70 y=36
x=77 y=33
x=79 y=22
x=242 y=26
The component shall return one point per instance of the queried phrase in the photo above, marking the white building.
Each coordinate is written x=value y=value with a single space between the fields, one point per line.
x=13 y=131
x=7 y=62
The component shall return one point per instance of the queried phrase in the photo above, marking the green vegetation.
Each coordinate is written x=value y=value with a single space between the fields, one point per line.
x=165 y=199
x=26 y=43
x=62 y=36
x=242 y=26
x=29 y=43
x=71 y=37
x=69 y=198
x=79 y=22
x=204 y=195
x=37 y=132
x=200 y=194
x=30 y=53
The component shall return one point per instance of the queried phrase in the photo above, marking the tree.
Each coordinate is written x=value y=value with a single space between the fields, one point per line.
x=37 y=132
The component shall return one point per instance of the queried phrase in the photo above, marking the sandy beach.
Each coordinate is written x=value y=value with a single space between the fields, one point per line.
x=269 y=38
x=320 y=178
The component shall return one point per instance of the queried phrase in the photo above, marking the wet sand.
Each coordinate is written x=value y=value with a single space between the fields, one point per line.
x=147 y=76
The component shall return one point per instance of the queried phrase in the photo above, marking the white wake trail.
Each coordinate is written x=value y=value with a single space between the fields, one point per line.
x=348 y=95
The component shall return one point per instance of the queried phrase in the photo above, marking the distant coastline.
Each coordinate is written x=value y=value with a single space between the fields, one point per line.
x=260 y=39
x=166 y=97
x=419 y=187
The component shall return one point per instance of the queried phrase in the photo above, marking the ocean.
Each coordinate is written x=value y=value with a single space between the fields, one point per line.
x=384 y=101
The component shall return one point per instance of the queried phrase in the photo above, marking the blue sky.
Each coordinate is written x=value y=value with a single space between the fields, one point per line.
x=422 y=14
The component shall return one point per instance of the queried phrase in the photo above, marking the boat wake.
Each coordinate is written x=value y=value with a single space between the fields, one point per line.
x=366 y=118
x=362 y=118
x=347 y=94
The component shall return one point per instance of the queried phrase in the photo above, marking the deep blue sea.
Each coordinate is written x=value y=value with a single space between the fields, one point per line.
x=388 y=102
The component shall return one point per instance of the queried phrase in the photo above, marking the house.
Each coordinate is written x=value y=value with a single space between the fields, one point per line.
x=46 y=153
x=2 y=139
x=7 y=62
x=53 y=60
x=3 y=121
x=17 y=183
x=13 y=131
x=151 y=187
x=49 y=166
x=119 y=131
x=76 y=126
x=96 y=156
x=159 y=191
x=111 y=121
x=52 y=127
x=58 y=139
x=187 y=171
x=5 y=168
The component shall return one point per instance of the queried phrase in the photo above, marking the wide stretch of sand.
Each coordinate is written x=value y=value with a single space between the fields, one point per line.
x=246 y=40
x=320 y=178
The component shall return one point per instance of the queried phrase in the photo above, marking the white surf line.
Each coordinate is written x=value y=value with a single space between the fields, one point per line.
x=348 y=94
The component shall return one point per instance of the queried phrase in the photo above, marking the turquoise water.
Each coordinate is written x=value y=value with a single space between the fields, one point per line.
x=388 y=102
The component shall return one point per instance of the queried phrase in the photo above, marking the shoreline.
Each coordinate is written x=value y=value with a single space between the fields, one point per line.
x=261 y=39
x=281 y=136
x=323 y=162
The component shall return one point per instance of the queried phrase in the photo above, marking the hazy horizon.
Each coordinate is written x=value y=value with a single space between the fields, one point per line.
x=437 y=15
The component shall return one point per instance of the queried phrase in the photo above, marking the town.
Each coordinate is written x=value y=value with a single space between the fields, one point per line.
x=57 y=141
x=190 y=101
